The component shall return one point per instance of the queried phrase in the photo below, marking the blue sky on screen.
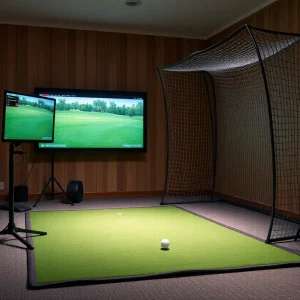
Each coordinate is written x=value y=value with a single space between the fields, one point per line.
x=85 y=100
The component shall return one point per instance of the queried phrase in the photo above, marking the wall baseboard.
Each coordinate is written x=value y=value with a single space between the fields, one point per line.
x=98 y=195
x=234 y=200
x=260 y=207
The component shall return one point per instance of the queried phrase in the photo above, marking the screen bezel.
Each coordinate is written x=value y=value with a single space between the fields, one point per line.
x=95 y=94
x=4 y=117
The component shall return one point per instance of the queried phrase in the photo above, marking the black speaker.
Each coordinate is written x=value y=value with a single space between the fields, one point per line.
x=21 y=193
x=75 y=191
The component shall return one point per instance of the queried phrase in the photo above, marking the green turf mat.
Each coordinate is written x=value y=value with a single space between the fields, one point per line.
x=125 y=243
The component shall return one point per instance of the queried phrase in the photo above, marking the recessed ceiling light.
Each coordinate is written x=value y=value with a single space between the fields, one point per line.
x=133 y=2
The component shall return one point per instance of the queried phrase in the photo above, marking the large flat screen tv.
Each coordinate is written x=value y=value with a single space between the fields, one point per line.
x=27 y=118
x=97 y=120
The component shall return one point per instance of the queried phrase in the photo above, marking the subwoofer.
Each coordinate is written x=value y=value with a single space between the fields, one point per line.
x=75 y=191
x=21 y=193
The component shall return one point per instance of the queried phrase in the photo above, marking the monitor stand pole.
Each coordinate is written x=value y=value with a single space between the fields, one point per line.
x=11 y=227
x=51 y=180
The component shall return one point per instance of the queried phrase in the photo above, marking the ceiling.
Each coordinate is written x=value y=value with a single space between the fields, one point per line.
x=186 y=18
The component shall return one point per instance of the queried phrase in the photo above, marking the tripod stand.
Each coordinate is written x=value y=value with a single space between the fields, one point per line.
x=51 y=180
x=11 y=227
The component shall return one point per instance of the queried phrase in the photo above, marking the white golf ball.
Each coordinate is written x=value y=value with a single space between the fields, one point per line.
x=165 y=244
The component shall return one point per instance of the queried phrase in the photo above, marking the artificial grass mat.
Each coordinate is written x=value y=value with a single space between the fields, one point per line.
x=118 y=244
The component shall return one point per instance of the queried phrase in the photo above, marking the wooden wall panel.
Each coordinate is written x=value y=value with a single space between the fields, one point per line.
x=112 y=59
x=10 y=80
x=59 y=64
x=44 y=43
x=67 y=163
x=122 y=86
x=159 y=150
x=141 y=85
x=132 y=69
x=50 y=57
x=91 y=83
x=80 y=83
x=3 y=147
x=153 y=138
x=32 y=81
x=280 y=16
x=102 y=80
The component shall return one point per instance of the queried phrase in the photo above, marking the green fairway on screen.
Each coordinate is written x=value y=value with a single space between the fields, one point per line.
x=28 y=118
x=89 y=122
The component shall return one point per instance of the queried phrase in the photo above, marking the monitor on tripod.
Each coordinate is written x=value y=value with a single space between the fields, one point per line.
x=26 y=118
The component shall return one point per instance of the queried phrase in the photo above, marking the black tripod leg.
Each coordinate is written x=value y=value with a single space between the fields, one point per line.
x=42 y=193
x=63 y=191
x=31 y=231
x=30 y=247
x=4 y=231
x=12 y=229
x=298 y=233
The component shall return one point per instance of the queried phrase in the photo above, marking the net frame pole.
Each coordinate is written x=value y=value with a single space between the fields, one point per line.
x=214 y=128
x=274 y=175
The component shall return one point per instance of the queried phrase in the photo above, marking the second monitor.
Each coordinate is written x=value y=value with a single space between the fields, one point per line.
x=27 y=118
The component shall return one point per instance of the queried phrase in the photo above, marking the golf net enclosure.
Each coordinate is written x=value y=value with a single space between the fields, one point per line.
x=233 y=126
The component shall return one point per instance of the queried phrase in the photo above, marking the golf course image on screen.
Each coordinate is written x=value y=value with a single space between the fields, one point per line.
x=28 y=118
x=97 y=122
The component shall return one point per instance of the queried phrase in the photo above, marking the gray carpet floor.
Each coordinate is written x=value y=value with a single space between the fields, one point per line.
x=267 y=284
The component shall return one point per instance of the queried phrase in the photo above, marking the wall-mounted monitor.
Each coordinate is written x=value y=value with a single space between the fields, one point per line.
x=28 y=118
x=97 y=120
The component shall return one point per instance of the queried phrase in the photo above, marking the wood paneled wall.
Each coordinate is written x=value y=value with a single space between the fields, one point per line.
x=46 y=57
x=282 y=16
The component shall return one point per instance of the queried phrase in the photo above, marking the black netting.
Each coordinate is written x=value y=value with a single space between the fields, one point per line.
x=281 y=56
x=229 y=109
x=190 y=155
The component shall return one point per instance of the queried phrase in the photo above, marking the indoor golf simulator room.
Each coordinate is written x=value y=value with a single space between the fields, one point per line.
x=138 y=166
